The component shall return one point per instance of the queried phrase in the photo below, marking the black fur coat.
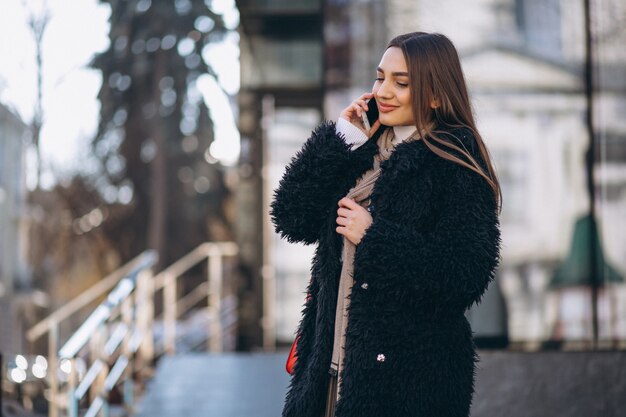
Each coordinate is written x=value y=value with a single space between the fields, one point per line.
x=430 y=253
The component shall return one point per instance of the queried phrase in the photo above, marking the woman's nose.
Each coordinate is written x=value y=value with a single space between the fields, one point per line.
x=383 y=91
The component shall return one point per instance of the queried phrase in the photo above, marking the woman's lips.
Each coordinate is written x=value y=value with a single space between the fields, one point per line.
x=385 y=108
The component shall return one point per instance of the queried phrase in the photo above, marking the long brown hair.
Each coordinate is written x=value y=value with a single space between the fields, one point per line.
x=435 y=74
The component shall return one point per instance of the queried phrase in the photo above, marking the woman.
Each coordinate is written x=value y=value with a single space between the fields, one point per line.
x=405 y=217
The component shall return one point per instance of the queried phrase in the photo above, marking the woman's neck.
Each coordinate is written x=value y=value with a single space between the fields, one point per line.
x=403 y=132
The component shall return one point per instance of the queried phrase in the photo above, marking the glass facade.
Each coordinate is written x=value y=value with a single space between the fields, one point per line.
x=273 y=6
x=288 y=128
x=274 y=62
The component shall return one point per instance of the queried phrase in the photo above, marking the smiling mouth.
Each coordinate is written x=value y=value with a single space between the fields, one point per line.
x=385 y=108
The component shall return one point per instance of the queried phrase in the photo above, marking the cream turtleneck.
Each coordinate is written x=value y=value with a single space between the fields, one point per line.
x=356 y=137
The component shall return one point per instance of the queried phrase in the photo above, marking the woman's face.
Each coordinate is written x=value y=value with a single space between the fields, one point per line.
x=391 y=89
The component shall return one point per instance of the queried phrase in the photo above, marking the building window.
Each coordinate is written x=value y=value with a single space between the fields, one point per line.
x=539 y=22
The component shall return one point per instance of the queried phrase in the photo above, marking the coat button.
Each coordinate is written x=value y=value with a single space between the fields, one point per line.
x=364 y=285
x=380 y=357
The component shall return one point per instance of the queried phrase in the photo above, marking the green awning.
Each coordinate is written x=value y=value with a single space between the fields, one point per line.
x=576 y=268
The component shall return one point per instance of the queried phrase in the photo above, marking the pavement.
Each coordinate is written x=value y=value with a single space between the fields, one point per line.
x=511 y=384
x=220 y=385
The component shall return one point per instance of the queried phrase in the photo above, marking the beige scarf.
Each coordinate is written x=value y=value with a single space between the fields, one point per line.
x=359 y=193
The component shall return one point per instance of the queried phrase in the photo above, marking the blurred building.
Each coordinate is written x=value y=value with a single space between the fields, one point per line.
x=281 y=79
x=524 y=63
x=13 y=272
x=523 y=59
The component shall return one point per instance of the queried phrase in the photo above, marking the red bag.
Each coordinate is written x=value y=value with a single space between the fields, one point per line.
x=291 y=359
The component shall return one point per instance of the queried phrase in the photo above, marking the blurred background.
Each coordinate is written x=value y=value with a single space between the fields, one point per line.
x=141 y=140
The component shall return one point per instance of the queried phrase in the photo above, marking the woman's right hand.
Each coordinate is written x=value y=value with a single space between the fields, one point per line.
x=353 y=112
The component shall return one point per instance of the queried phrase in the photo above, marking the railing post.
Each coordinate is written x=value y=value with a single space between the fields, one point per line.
x=145 y=318
x=97 y=389
x=169 y=314
x=53 y=367
x=127 y=375
x=215 y=269
x=72 y=401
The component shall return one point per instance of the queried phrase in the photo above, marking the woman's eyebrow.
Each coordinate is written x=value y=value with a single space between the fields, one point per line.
x=397 y=73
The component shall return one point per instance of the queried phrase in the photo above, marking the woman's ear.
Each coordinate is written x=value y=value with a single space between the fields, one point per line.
x=434 y=103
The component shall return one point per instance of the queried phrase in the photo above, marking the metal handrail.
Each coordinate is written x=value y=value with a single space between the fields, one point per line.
x=83 y=300
x=167 y=279
x=120 y=328
x=51 y=324
x=127 y=301
x=104 y=310
x=193 y=258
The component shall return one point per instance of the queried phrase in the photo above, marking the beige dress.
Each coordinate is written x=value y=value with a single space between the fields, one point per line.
x=360 y=193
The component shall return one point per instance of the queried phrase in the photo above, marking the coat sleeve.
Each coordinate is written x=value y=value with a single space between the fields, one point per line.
x=452 y=262
x=314 y=176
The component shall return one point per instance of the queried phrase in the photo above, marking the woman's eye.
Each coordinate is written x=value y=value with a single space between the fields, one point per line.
x=399 y=84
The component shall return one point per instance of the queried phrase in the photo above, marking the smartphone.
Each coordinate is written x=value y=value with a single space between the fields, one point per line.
x=371 y=115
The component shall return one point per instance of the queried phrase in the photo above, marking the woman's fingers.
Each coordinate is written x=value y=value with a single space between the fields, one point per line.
x=354 y=111
x=349 y=203
x=374 y=128
x=345 y=215
x=343 y=221
x=362 y=103
x=358 y=106
x=351 y=112
x=351 y=221
x=343 y=212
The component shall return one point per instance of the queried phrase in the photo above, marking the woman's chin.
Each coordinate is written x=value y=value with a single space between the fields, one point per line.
x=389 y=120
